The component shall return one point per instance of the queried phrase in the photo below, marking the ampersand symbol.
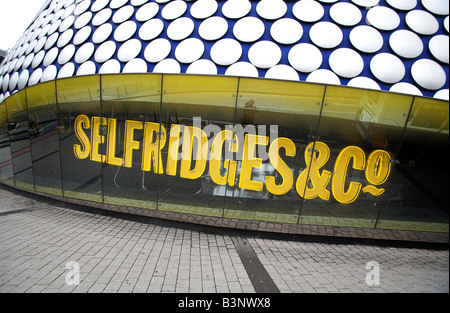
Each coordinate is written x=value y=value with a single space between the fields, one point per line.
x=311 y=183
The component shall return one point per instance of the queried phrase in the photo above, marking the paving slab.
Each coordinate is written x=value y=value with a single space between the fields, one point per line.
x=48 y=248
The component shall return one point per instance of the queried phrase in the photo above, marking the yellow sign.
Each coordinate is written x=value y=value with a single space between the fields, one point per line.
x=311 y=183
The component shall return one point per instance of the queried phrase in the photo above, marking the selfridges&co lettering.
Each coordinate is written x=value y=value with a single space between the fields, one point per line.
x=189 y=148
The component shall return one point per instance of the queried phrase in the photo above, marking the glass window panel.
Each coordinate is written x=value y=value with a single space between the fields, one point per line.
x=78 y=123
x=357 y=140
x=20 y=140
x=6 y=172
x=195 y=110
x=422 y=200
x=283 y=115
x=44 y=132
x=130 y=104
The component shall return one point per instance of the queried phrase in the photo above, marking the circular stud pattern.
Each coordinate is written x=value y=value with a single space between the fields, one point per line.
x=174 y=10
x=428 y=74
x=406 y=88
x=125 y=31
x=147 y=11
x=157 y=50
x=383 y=18
x=180 y=29
x=213 y=28
x=13 y=80
x=205 y=67
x=366 y=39
x=102 y=33
x=244 y=69
x=82 y=7
x=235 y=9
x=5 y=83
x=406 y=44
x=168 y=66
x=66 y=54
x=346 y=62
x=308 y=10
x=51 y=56
x=102 y=17
x=202 y=9
x=135 y=66
x=442 y=95
x=83 y=20
x=438 y=46
x=67 y=70
x=326 y=34
x=189 y=50
x=19 y=63
x=97 y=5
x=35 y=77
x=137 y=3
x=87 y=68
x=345 y=14
x=387 y=68
x=305 y=57
x=66 y=24
x=422 y=22
x=23 y=79
x=31 y=46
x=248 y=29
x=283 y=72
x=38 y=57
x=110 y=67
x=404 y=5
x=286 y=31
x=129 y=50
x=49 y=73
x=40 y=44
x=271 y=9
x=226 y=34
x=363 y=82
x=366 y=3
x=151 y=29
x=105 y=51
x=123 y=14
x=64 y=38
x=264 y=54
x=323 y=76
x=82 y=35
x=226 y=51
x=440 y=7
x=84 y=52
x=115 y=4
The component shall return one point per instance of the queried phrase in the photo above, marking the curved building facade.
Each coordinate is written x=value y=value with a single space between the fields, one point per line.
x=301 y=117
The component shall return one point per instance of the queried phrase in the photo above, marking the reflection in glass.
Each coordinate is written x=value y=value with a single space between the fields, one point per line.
x=419 y=194
x=195 y=109
x=79 y=96
x=130 y=105
x=43 y=120
x=20 y=140
x=239 y=148
x=354 y=123
x=6 y=172
x=271 y=110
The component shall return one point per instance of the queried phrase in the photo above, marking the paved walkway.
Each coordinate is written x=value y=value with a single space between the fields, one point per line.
x=49 y=248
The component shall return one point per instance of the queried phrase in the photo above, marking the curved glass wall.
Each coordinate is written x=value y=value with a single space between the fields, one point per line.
x=230 y=147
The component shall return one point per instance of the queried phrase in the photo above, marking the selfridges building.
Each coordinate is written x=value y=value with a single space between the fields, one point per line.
x=301 y=117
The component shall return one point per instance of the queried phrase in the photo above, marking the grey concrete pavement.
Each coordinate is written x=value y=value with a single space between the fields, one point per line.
x=48 y=248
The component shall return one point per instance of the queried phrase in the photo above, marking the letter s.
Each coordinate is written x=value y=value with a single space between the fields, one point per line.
x=83 y=151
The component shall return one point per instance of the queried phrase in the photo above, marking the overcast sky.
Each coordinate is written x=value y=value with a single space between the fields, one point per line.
x=15 y=16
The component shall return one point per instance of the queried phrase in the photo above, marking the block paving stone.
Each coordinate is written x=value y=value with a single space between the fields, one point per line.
x=38 y=239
